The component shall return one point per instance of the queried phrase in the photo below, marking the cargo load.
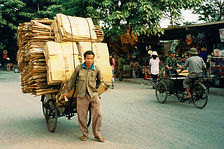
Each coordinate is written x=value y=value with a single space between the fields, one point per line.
x=48 y=53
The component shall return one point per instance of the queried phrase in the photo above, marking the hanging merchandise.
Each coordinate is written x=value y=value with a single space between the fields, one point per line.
x=221 y=33
x=201 y=37
x=5 y=54
x=189 y=39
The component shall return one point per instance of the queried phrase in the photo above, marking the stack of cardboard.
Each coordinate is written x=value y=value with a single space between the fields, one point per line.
x=46 y=64
x=69 y=29
x=61 y=59
x=31 y=39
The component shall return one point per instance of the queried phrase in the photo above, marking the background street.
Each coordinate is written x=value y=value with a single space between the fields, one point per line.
x=132 y=119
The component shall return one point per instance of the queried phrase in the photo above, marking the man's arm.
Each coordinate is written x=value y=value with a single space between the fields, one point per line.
x=178 y=65
x=71 y=82
x=168 y=67
x=203 y=64
x=166 y=62
x=184 y=66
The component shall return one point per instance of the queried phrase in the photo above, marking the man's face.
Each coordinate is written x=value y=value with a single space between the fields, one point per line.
x=89 y=59
x=172 y=55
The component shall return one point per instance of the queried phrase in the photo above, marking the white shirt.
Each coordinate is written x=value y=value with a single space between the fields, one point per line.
x=154 y=66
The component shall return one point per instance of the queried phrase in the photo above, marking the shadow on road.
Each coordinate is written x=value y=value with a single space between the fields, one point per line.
x=36 y=128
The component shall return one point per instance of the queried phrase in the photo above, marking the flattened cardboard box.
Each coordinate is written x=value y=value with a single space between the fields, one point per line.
x=61 y=59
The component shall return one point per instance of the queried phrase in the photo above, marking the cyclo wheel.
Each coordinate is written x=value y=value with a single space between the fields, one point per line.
x=89 y=116
x=51 y=114
x=44 y=100
x=199 y=95
x=161 y=92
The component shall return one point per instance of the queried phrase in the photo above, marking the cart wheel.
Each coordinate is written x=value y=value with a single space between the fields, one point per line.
x=44 y=101
x=89 y=116
x=161 y=92
x=51 y=115
x=199 y=95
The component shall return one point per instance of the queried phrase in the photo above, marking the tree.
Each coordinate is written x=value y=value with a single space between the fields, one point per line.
x=11 y=14
x=172 y=9
x=211 y=10
x=142 y=15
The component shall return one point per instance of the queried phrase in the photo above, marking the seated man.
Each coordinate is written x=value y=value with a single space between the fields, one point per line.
x=171 y=63
x=195 y=66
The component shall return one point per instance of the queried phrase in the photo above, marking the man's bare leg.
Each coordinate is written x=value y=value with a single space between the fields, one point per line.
x=188 y=93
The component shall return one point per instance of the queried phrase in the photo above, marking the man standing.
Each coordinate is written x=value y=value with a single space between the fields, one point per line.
x=195 y=66
x=87 y=77
x=154 y=63
x=121 y=62
x=112 y=64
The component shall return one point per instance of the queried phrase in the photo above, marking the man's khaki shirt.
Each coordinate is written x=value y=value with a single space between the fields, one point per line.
x=195 y=64
x=85 y=81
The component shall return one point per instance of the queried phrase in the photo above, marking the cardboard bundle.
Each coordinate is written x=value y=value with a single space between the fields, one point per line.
x=101 y=57
x=69 y=29
x=45 y=64
x=31 y=39
x=62 y=58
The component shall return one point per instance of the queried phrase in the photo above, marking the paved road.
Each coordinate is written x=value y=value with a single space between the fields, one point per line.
x=132 y=119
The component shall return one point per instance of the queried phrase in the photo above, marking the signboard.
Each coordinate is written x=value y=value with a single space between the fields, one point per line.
x=221 y=33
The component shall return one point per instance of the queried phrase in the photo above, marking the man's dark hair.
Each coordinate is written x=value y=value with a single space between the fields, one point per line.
x=89 y=53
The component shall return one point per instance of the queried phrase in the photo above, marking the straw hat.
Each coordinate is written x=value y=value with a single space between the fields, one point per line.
x=193 y=51
x=150 y=52
x=154 y=53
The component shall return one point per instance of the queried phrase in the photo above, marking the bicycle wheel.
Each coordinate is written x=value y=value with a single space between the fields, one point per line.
x=199 y=95
x=44 y=100
x=51 y=115
x=89 y=116
x=161 y=92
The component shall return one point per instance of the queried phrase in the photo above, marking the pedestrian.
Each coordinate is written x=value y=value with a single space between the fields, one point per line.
x=171 y=63
x=121 y=62
x=136 y=69
x=87 y=77
x=112 y=64
x=203 y=53
x=195 y=66
x=154 y=63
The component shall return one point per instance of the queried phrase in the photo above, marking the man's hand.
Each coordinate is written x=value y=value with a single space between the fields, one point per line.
x=65 y=94
x=180 y=70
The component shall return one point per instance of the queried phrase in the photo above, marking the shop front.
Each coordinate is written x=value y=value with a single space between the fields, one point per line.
x=208 y=38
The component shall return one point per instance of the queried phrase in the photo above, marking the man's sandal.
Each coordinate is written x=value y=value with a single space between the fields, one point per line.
x=100 y=138
x=83 y=138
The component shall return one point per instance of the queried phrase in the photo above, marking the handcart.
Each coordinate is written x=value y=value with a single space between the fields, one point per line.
x=55 y=106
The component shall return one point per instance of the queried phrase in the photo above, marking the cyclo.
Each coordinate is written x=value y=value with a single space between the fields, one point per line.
x=173 y=84
x=55 y=105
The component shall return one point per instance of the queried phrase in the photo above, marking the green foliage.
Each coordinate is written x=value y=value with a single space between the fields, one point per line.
x=211 y=10
x=172 y=8
x=13 y=12
x=142 y=16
